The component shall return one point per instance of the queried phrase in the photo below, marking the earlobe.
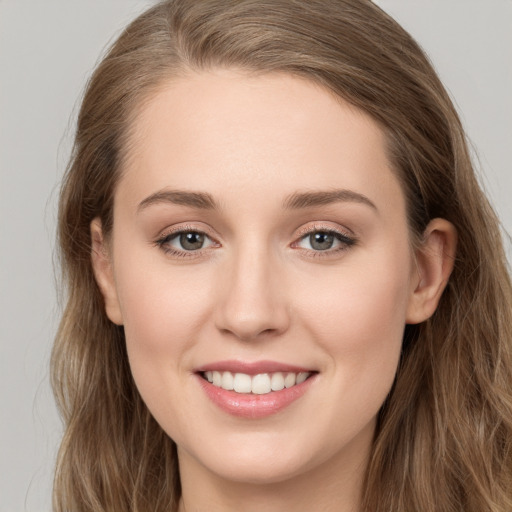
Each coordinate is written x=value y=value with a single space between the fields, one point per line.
x=435 y=259
x=103 y=272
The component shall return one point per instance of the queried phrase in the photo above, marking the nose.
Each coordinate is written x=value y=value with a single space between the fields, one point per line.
x=252 y=304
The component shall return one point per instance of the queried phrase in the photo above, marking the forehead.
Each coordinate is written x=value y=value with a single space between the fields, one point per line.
x=226 y=130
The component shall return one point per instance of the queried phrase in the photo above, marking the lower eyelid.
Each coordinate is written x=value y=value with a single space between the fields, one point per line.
x=345 y=242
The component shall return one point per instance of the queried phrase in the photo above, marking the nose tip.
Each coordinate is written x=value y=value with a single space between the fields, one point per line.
x=248 y=319
x=252 y=305
x=246 y=328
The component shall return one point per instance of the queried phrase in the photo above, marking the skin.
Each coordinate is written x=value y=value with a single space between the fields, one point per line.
x=258 y=290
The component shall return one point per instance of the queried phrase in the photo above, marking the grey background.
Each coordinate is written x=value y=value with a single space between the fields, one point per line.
x=47 y=50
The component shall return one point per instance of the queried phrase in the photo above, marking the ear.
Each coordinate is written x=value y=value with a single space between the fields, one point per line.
x=103 y=272
x=434 y=263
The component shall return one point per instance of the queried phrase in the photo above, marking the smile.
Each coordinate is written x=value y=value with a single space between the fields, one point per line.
x=260 y=384
x=254 y=390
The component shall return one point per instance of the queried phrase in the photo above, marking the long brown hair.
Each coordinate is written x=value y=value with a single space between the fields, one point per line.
x=444 y=435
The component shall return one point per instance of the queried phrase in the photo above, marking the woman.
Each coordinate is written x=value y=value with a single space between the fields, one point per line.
x=286 y=289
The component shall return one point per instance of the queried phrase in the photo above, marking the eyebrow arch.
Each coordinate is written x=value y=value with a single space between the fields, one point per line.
x=200 y=200
x=324 y=197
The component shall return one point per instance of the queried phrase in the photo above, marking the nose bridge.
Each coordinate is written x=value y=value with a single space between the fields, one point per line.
x=253 y=301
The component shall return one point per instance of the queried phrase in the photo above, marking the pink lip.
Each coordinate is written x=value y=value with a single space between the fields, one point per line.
x=247 y=405
x=251 y=368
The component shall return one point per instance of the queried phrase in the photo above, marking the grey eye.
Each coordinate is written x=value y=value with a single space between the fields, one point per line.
x=324 y=240
x=191 y=240
x=186 y=241
x=321 y=241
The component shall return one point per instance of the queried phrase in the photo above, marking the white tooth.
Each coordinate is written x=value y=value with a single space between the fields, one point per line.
x=242 y=383
x=301 y=377
x=227 y=381
x=289 y=380
x=209 y=376
x=217 y=379
x=261 y=384
x=277 y=381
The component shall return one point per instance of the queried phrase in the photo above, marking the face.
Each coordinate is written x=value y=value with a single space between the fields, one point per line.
x=260 y=240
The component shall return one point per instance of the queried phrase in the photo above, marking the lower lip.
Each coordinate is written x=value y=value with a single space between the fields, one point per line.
x=246 y=405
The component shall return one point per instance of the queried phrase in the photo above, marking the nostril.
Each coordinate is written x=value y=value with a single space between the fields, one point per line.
x=249 y=335
x=249 y=309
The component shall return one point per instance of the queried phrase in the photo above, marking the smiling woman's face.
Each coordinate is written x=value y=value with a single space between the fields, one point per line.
x=259 y=229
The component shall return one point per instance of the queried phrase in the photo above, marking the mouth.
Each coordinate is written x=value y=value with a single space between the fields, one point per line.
x=259 y=384
x=254 y=390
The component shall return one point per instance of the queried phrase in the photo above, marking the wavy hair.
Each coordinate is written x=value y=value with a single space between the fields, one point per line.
x=444 y=436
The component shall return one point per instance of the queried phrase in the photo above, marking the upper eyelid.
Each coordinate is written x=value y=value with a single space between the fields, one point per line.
x=167 y=236
x=186 y=229
x=300 y=234
x=344 y=235
x=320 y=226
x=164 y=240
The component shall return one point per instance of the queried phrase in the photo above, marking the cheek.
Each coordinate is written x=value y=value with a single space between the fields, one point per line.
x=359 y=320
x=163 y=312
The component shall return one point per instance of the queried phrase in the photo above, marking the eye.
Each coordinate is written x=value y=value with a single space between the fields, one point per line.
x=325 y=240
x=179 y=243
x=189 y=241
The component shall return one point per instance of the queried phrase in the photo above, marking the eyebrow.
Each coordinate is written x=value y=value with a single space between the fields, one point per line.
x=295 y=201
x=199 y=200
x=300 y=200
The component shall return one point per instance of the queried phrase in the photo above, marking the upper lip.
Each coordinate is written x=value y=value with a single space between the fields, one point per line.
x=251 y=367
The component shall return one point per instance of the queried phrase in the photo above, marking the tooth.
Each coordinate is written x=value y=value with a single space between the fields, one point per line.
x=217 y=379
x=242 y=383
x=261 y=384
x=289 y=380
x=277 y=382
x=301 y=377
x=227 y=381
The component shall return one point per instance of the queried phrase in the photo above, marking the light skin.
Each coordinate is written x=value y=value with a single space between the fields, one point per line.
x=260 y=287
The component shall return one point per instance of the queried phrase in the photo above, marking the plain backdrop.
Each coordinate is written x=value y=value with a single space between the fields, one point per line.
x=47 y=51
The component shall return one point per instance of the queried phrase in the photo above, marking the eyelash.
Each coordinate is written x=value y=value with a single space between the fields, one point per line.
x=169 y=236
x=344 y=239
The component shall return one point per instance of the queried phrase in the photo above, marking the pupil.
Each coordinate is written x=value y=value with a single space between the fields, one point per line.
x=191 y=241
x=321 y=241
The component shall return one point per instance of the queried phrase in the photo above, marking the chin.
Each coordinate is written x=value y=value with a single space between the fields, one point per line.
x=260 y=461
x=260 y=472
